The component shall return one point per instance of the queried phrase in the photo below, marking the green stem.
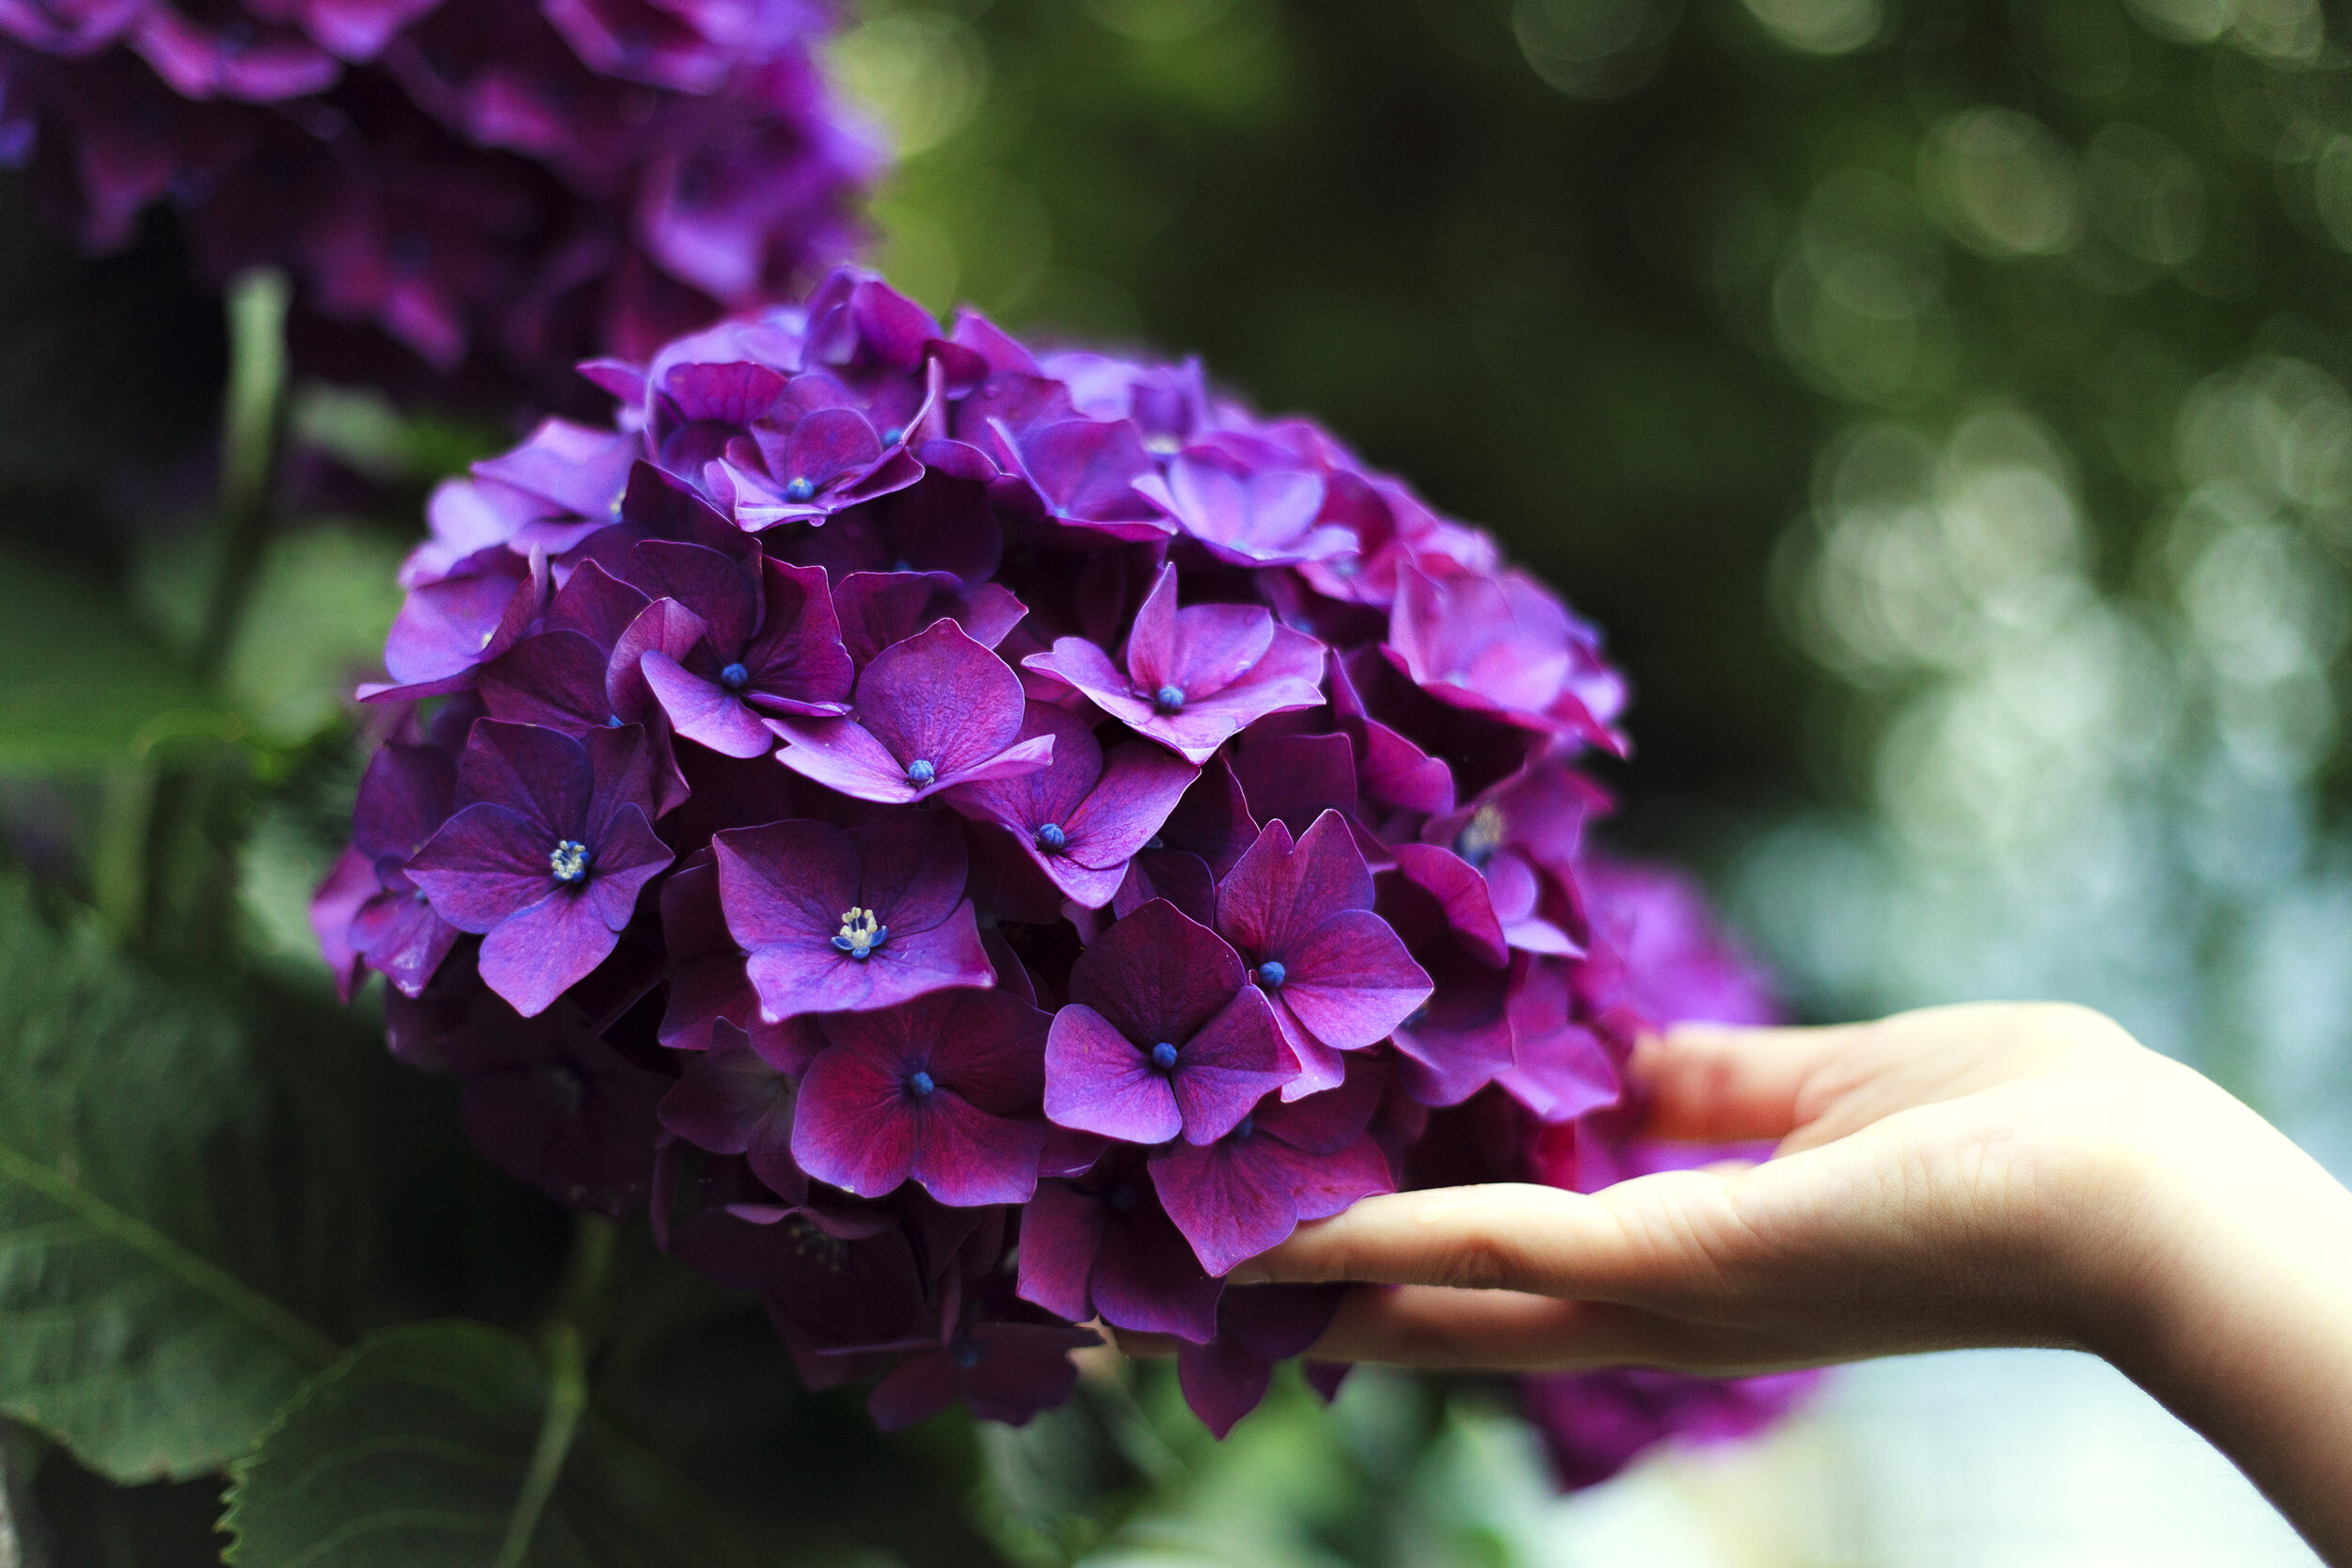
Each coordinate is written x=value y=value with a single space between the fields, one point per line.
x=126 y=818
x=566 y=1343
x=252 y=419
x=568 y=1401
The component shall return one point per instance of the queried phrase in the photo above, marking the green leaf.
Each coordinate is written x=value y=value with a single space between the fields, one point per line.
x=451 y=1444
x=142 y=1191
x=83 y=686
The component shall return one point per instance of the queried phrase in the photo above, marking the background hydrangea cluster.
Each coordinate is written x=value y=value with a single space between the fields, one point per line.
x=983 y=842
x=550 y=176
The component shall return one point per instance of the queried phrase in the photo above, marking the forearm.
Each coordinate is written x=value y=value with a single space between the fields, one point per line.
x=2249 y=1337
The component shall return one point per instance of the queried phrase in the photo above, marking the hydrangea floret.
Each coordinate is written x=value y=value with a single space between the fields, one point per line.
x=543 y=177
x=986 y=842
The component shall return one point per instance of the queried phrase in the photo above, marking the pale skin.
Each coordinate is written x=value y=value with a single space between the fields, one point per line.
x=1986 y=1174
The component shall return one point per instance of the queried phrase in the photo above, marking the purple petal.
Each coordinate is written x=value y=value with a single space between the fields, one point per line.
x=536 y=772
x=855 y=1126
x=786 y=882
x=486 y=865
x=1222 y=1072
x=707 y=582
x=1099 y=1080
x=813 y=977
x=1156 y=975
x=594 y=604
x=1061 y=1230
x=1351 y=981
x=1279 y=891
x=1139 y=789
x=797 y=662
x=703 y=711
x=940 y=697
x=1222 y=1382
x=533 y=956
x=555 y=679
x=1146 y=1276
x=627 y=855
x=913 y=867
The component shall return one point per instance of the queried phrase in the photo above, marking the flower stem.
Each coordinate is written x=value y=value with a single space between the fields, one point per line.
x=568 y=1401
x=565 y=1343
x=253 y=417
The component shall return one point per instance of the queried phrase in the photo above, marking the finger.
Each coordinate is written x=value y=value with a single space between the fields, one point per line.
x=1505 y=1236
x=1715 y=1082
x=1143 y=1346
x=1437 y=1327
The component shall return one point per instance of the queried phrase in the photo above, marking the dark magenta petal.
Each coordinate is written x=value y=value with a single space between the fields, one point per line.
x=797 y=661
x=1146 y=1276
x=942 y=698
x=703 y=711
x=853 y=1126
x=1222 y=1382
x=1324 y=1123
x=555 y=679
x=576 y=1123
x=1235 y=1060
x=888 y=1099
x=725 y=1098
x=786 y=882
x=1462 y=893
x=912 y=868
x=1061 y=1230
x=1279 y=891
x=1350 y=981
x=1099 y=1080
x=988 y=1046
x=1233 y=1199
x=594 y=604
x=715 y=587
x=1140 y=786
x=1156 y=975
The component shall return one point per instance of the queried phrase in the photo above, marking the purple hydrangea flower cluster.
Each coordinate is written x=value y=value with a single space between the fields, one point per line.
x=983 y=842
x=554 y=177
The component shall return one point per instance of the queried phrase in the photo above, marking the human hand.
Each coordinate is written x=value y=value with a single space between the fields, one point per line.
x=1963 y=1176
x=1984 y=1175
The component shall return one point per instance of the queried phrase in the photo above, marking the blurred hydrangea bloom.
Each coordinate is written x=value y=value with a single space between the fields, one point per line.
x=542 y=179
x=1094 y=830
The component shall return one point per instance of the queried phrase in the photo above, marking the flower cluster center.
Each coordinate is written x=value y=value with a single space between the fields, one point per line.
x=1052 y=839
x=568 y=860
x=1168 y=699
x=920 y=772
x=1480 y=836
x=862 y=931
x=1164 y=1057
x=735 y=678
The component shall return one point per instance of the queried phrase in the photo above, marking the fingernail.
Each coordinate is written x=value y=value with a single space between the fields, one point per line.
x=1250 y=1273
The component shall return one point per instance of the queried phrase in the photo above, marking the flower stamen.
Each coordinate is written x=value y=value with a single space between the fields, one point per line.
x=862 y=932
x=568 y=862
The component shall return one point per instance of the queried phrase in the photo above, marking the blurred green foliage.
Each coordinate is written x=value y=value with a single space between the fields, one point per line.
x=1941 y=404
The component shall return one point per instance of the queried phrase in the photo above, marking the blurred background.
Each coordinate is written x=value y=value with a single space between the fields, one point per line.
x=1941 y=404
